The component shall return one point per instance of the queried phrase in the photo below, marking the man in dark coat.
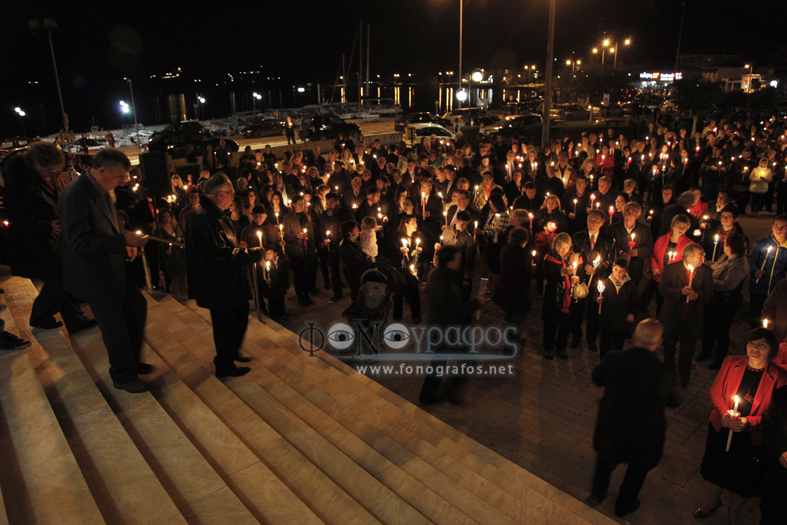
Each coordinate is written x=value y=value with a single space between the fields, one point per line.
x=631 y=427
x=684 y=306
x=95 y=251
x=218 y=273
x=31 y=201
x=591 y=244
x=331 y=220
x=446 y=308
x=642 y=247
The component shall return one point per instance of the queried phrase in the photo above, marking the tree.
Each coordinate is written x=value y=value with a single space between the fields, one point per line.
x=592 y=81
x=697 y=94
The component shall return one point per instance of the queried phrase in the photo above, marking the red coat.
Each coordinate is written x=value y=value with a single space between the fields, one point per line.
x=726 y=386
x=657 y=257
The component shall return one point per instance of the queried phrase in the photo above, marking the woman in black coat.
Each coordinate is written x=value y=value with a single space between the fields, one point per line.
x=513 y=290
x=560 y=275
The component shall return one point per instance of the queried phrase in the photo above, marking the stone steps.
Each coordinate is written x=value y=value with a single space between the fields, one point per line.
x=317 y=492
x=515 y=492
x=41 y=481
x=504 y=474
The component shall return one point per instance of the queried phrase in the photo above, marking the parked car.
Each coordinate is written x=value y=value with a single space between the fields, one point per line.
x=423 y=117
x=263 y=128
x=16 y=142
x=465 y=115
x=427 y=129
x=514 y=125
x=570 y=112
x=327 y=127
x=177 y=142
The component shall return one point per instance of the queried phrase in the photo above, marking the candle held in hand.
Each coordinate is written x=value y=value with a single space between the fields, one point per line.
x=600 y=289
x=733 y=412
x=691 y=277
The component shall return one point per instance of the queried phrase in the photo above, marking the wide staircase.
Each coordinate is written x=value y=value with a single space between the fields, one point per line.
x=299 y=440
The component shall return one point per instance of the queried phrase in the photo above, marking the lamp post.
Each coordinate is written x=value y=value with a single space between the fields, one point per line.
x=134 y=110
x=546 y=115
x=476 y=77
x=573 y=64
x=21 y=114
x=255 y=97
x=49 y=24
x=625 y=42
x=200 y=100
x=459 y=76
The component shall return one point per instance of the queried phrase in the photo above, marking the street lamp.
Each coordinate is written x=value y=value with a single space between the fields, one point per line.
x=255 y=97
x=21 y=114
x=134 y=108
x=545 y=115
x=573 y=64
x=124 y=107
x=626 y=42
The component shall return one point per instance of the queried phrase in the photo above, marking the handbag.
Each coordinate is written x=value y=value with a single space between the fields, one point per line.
x=579 y=291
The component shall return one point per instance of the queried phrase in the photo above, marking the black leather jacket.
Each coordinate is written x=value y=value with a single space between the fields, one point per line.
x=217 y=267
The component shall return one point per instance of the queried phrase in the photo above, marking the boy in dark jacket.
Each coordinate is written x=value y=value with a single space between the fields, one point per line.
x=618 y=302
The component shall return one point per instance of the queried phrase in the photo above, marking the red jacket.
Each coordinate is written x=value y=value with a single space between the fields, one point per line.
x=657 y=257
x=726 y=386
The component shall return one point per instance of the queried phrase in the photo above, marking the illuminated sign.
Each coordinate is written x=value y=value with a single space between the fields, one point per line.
x=661 y=77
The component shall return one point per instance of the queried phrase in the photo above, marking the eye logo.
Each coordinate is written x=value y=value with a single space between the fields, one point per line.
x=396 y=336
x=341 y=336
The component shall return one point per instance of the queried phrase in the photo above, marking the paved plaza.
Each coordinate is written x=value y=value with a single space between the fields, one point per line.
x=542 y=418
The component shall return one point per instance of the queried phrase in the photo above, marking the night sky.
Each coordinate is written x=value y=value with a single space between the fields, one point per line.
x=302 y=41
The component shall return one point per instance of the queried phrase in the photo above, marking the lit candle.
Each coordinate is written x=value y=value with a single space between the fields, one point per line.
x=530 y=216
x=328 y=236
x=631 y=242
x=767 y=253
x=715 y=245
x=445 y=218
x=734 y=412
x=551 y=227
x=597 y=261
x=267 y=270
x=765 y=323
x=533 y=260
x=281 y=231
x=575 y=206
x=259 y=238
x=691 y=278
x=600 y=292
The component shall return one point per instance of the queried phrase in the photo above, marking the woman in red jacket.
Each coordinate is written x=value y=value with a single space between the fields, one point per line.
x=752 y=378
x=668 y=248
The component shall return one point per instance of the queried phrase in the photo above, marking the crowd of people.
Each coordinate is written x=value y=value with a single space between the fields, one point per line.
x=599 y=228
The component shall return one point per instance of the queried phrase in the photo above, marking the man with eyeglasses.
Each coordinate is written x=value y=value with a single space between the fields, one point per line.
x=686 y=286
x=218 y=273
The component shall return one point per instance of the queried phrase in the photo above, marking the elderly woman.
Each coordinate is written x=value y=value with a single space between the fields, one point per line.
x=752 y=379
x=560 y=276
x=513 y=292
x=668 y=248
x=729 y=274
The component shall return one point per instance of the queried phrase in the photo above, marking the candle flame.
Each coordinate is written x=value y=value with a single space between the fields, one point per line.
x=765 y=323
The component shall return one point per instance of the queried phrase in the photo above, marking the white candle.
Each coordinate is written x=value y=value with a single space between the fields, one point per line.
x=259 y=237
x=766 y=260
x=600 y=292
x=691 y=278
x=732 y=413
x=765 y=323
x=715 y=245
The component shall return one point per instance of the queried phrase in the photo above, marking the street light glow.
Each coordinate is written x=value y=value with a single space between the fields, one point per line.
x=628 y=41
x=202 y=100
x=461 y=95
x=477 y=76
x=595 y=50
x=606 y=43
x=301 y=90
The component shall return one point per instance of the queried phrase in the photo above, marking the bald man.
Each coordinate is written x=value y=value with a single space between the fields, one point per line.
x=631 y=426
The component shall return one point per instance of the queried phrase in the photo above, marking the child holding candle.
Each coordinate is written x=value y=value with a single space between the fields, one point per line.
x=754 y=379
x=619 y=303
x=368 y=240
x=275 y=284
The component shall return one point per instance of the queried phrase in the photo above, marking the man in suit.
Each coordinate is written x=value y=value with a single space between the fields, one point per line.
x=591 y=244
x=684 y=306
x=95 y=251
x=631 y=427
x=462 y=203
x=622 y=232
x=218 y=273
